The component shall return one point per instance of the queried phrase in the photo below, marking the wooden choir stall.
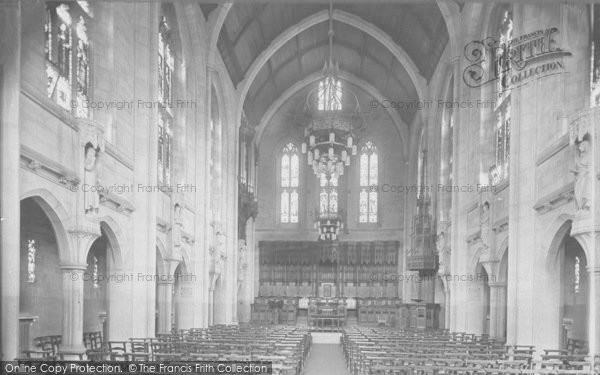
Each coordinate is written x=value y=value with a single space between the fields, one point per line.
x=333 y=284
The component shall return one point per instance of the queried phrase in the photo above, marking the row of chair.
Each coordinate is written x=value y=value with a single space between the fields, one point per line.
x=285 y=347
x=382 y=351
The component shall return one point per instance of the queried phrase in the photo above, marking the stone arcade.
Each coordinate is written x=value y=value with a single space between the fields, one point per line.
x=168 y=168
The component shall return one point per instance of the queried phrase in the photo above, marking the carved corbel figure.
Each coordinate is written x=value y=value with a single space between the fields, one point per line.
x=485 y=224
x=582 y=172
x=177 y=222
x=92 y=141
x=584 y=136
x=91 y=198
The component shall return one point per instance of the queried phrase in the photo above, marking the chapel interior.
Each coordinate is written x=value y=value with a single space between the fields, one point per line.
x=335 y=187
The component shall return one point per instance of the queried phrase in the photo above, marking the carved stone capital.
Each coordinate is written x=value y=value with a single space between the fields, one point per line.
x=82 y=237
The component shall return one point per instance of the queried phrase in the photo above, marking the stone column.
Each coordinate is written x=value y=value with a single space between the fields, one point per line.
x=497 y=309
x=72 y=334
x=211 y=305
x=165 y=303
x=590 y=242
x=82 y=238
x=185 y=303
x=10 y=77
x=586 y=225
x=594 y=305
x=447 y=307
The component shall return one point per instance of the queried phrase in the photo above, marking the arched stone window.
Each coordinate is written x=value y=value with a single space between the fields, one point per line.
x=329 y=95
x=501 y=116
x=369 y=175
x=328 y=195
x=165 y=112
x=67 y=55
x=290 y=178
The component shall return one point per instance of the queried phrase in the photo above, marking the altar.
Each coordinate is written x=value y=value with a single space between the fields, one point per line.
x=327 y=312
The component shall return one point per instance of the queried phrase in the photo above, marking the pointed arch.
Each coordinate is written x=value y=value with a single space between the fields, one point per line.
x=59 y=219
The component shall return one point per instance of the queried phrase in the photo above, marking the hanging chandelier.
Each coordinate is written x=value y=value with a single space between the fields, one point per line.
x=329 y=225
x=329 y=135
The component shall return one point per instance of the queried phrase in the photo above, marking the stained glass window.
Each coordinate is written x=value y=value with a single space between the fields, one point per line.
x=329 y=95
x=503 y=58
x=83 y=69
x=58 y=45
x=290 y=177
x=328 y=196
x=66 y=51
x=95 y=275
x=48 y=26
x=215 y=157
x=500 y=170
x=369 y=167
x=595 y=57
x=31 y=250
x=577 y=275
x=165 y=115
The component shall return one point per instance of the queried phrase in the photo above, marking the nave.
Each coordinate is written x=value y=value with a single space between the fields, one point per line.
x=190 y=180
x=353 y=351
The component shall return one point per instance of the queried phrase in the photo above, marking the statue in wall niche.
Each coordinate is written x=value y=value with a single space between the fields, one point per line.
x=583 y=183
x=177 y=225
x=484 y=222
x=91 y=198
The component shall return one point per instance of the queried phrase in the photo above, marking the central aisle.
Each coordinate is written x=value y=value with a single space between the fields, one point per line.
x=326 y=356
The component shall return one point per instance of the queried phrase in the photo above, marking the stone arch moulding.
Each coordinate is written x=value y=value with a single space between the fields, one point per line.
x=214 y=23
x=556 y=232
x=367 y=87
x=167 y=264
x=502 y=251
x=216 y=82
x=451 y=13
x=116 y=240
x=161 y=264
x=341 y=16
x=482 y=256
x=59 y=219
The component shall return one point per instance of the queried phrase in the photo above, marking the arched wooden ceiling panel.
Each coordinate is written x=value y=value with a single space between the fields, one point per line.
x=356 y=52
x=250 y=27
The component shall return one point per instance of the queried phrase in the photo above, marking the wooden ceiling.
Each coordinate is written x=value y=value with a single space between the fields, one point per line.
x=249 y=28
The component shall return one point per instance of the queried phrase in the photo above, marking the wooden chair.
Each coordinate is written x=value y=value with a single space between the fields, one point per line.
x=117 y=350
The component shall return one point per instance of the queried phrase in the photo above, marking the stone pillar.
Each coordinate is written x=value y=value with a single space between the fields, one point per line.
x=590 y=242
x=447 y=307
x=585 y=137
x=497 y=309
x=72 y=333
x=211 y=305
x=82 y=237
x=10 y=77
x=165 y=303
x=185 y=303
x=594 y=306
